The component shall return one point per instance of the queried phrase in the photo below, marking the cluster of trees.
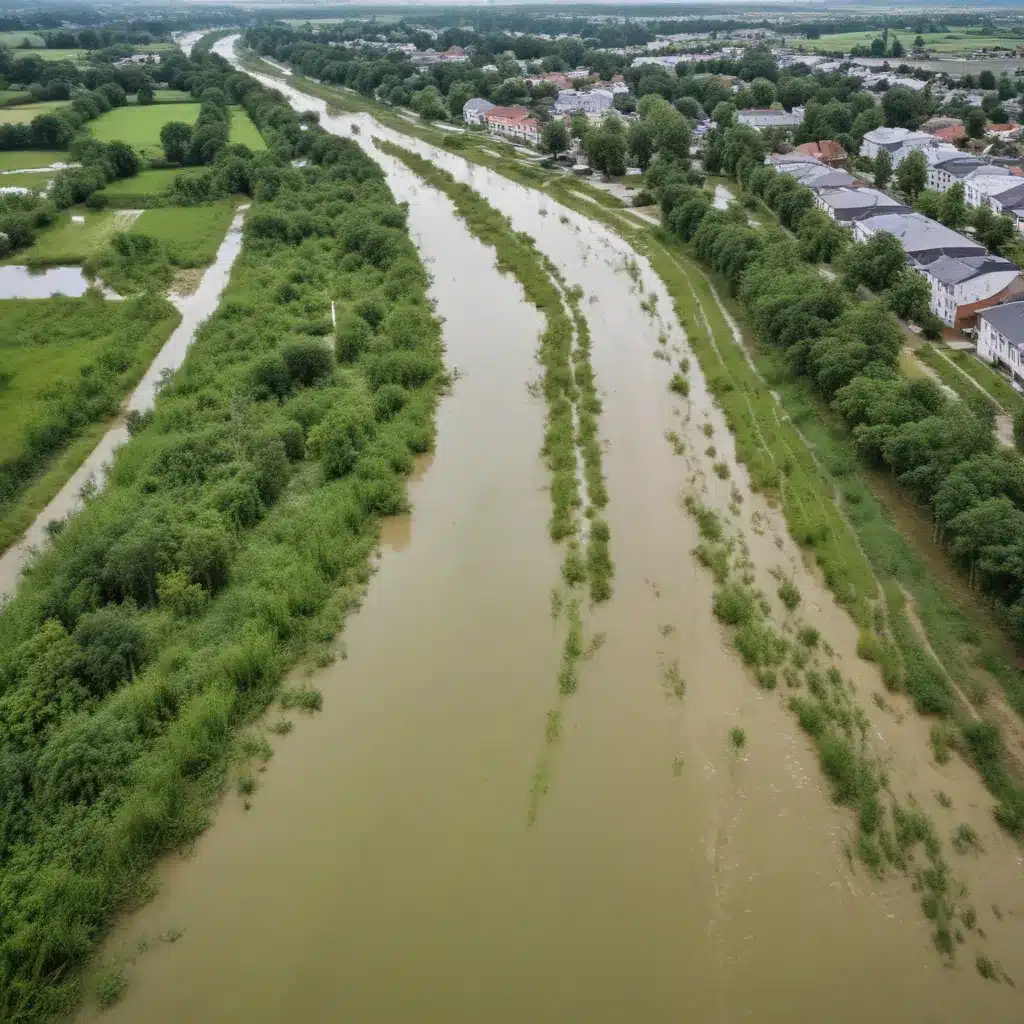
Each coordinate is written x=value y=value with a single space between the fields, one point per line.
x=120 y=678
x=199 y=143
x=943 y=452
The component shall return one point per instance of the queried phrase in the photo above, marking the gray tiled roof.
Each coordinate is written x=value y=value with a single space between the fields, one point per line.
x=919 y=235
x=1008 y=319
x=955 y=270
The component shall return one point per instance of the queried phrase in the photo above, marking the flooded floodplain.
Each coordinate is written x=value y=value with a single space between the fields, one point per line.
x=453 y=840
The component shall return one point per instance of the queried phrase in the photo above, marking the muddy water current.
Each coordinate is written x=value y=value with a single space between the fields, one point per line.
x=390 y=869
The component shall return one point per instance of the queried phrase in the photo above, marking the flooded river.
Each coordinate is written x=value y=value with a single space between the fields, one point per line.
x=194 y=309
x=389 y=869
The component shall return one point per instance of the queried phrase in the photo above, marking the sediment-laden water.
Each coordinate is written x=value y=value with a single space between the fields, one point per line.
x=389 y=868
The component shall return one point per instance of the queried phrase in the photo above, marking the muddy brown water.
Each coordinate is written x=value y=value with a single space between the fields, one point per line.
x=388 y=871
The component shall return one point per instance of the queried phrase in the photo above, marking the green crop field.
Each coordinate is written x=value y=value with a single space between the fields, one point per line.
x=36 y=180
x=15 y=39
x=53 y=55
x=244 y=131
x=191 y=233
x=69 y=242
x=27 y=111
x=17 y=159
x=140 y=126
x=150 y=182
x=956 y=41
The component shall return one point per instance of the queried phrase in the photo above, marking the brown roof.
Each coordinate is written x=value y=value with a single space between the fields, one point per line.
x=826 y=150
x=952 y=133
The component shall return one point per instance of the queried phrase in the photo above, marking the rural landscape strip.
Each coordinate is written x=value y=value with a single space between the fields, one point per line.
x=234 y=534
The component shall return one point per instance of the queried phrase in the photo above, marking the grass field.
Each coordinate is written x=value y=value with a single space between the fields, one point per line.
x=13 y=96
x=149 y=182
x=167 y=96
x=54 y=55
x=67 y=242
x=140 y=126
x=244 y=131
x=36 y=179
x=27 y=111
x=15 y=39
x=960 y=41
x=191 y=233
x=17 y=159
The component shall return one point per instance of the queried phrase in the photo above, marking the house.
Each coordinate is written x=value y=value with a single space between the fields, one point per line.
x=454 y=55
x=760 y=119
x=1002 y=131
x=514 y=123
x=571 y=101
x=1001 y=336
x=617 y=86
x=827 y=151
x=816 y=176
x=963 y=286
x=939 y=123
x=892 y=139
x=921 y=238
x=951 y=134
x=1011 y=202
x=846 y=205
x=474 y=110
x=978 y=191
x=946 y=171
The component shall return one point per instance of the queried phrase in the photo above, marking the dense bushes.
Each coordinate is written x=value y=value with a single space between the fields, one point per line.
x=167 y=610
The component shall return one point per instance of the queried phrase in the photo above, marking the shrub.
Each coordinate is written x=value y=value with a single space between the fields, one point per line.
x=789 y=594
x=734 y=604
x=307 y=361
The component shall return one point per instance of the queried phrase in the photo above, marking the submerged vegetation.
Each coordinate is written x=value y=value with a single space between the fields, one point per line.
x=234 y=533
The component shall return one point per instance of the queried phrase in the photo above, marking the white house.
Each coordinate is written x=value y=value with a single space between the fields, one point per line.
x=893 y=139
x=760 y=119
x=978 y=191
x=571 y=101
x=1001 y=336
x=1010 y=202
x=475 y=110
x=962 y=286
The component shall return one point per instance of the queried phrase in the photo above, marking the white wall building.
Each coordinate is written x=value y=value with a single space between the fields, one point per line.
x=1001 y=336
x=893 y=139
x=571 y=101
x=761 y=119
x=962 y=286
x=475 y=110
x=978 y=191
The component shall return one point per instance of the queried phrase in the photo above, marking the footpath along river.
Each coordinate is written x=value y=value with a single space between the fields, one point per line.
x=388 y=870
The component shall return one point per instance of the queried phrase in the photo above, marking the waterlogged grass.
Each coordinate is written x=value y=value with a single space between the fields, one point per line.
x=952 y=377
x=190 y=234
x=234 y=534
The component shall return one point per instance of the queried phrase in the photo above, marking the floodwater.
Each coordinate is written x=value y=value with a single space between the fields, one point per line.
x=389 y=868
x=24 y=283
x=194 y=309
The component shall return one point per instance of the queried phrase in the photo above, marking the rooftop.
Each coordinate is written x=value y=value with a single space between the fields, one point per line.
x=919 y=235
x=957 y=269
x=859 y=199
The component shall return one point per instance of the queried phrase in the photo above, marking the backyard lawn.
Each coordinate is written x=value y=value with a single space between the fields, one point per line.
x=18 y=159
x=27 y=111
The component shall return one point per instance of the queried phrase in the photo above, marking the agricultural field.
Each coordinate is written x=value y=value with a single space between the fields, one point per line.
x=54 y=55
x=27 y=111
x=15 y=39
x=67 y=364
x=70 y=242
x=13 y=96
x=34 y=179
x=21 y=159
x=149 y=182
x=191 y=234
x=243 y=131
x=140 y=126
x=962 y=41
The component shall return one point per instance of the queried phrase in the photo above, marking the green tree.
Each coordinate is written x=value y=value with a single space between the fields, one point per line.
x=459 y=94
x=724 y=115
x=876 y=263
x=909 y=297
x=176 y=140
x=882 y=168
x=606 y=148
x=578 y=126
x=903 y=107
x=762 y=92
x=146 y=94
x=987 y=80
x=429 y=104
x=953 y=212
x=897 y=47
x=1018 y=430
x=929 y=203
x=974 y=123
x=555 y=137
x=912 y=174
x=641 y=143
x=918 y=42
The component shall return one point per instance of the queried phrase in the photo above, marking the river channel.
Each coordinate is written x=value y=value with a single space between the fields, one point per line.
x=397 y=864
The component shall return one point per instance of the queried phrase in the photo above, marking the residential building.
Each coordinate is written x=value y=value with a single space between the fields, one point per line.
x=616 y=86
x=978 y=191
x=1002 y=131
x=572 y=101
x=892 y=139
x=475 y=110
x=1001 y=336
x=946 y=171
x=816 y=176
x=514 y=123
x=454 y=55
x=921 y=238
x=827 y=151
x=771 y=118
x=1011 y=202
x=939 y=123
x=962 y=286
x=846 y=205
x=952 y=134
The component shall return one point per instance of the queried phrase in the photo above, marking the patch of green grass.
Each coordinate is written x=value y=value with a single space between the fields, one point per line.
x=191 y=234
x=737 y=738
x=244 y=132
x=17 y=159
x=67 y=241
x=151 y=183
x=304 y=698
x=75 y=56
x=965 y=839
x=25 y=112
x=110 y=985
x=139 y=126
x=36 y=180
x=789 y=594
x=675 y=684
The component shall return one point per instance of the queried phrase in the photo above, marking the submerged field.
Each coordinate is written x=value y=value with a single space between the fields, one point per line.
x=71 y=241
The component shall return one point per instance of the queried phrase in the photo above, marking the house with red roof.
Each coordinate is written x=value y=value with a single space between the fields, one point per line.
x=828 y=152
x=515 y=123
